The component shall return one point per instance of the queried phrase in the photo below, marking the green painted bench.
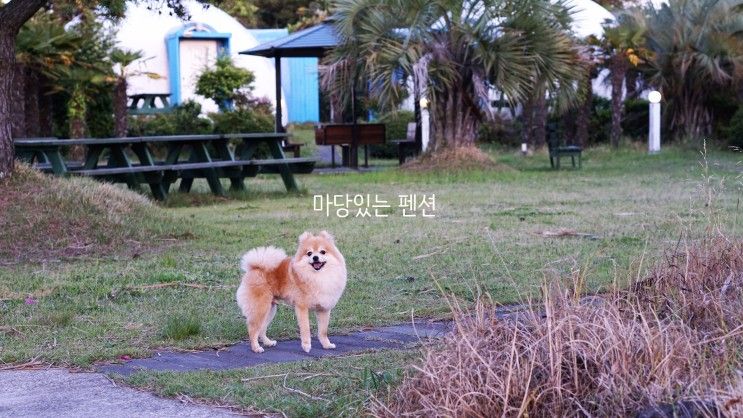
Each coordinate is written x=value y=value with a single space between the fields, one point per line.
x=206 y=156
x=558 y=150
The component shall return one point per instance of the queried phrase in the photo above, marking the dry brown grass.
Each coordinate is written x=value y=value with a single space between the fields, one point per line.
x=453 y=159
x=674 y=337
x=44 y=217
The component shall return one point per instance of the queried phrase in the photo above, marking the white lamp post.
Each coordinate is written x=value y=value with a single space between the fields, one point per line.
x=425 y=125
x=654 y=124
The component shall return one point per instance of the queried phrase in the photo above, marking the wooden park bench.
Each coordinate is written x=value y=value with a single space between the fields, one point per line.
x=208 y=157
x=342 y=134
x=408 y=147
x=558 y=150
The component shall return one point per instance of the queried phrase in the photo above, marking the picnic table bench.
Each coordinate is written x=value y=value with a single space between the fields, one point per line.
x=147 y=104
x=208 y=156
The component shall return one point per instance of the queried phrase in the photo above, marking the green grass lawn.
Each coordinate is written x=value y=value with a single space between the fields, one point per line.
x=487 y=236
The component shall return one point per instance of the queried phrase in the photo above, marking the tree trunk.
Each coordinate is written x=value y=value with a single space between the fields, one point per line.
x=18 y=102
x=121 y=125
x=630 y=83
x=12 y=16
x=618 y=69
x=540 y=120
x=454 y=122
x=7 y=62
x=32 y=104
x=583 y=117
x=527 y=118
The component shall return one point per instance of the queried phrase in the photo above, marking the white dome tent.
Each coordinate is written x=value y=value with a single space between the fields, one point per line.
x=588 y=18
x=179 y=50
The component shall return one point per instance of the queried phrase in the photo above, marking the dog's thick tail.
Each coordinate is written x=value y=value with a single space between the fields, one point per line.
x=266 y=258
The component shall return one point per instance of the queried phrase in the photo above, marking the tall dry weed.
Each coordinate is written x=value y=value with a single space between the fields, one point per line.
x=673 y=338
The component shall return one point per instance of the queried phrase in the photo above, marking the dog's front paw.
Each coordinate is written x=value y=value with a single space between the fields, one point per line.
x=306 y=347
x=257 y=349
x=269 y=342
x=328 y=346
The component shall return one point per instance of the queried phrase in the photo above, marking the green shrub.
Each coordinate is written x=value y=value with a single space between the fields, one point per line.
x=99 y=117
x=183 y=120
x=503 y=131
x=725 y=105
x=635 y=118
x=733 y=133
x=242 y=120
x=396 y=126
x=599 y=123
x=225 y=82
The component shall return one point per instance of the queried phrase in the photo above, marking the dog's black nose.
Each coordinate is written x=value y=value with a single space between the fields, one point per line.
x=315 y=258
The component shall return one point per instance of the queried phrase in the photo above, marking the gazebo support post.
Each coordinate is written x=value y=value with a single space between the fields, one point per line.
x=277 y=65
x=354 y=151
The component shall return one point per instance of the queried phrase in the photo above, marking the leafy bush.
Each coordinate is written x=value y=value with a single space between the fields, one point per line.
x=241 y=120
x=733 y=133
x=504 y=131
x=725 y=105
x=183 y=120
x=599 y=123
x=396 y=126
x=635 y=119
x=99 y=117
x=224 y=82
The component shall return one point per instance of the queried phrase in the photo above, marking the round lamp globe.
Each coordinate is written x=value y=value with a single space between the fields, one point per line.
x=654 y=96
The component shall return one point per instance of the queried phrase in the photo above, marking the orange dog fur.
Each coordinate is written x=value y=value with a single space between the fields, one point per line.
x=313 y=279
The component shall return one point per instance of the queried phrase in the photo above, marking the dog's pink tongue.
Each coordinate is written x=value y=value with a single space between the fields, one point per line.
x=317 y=265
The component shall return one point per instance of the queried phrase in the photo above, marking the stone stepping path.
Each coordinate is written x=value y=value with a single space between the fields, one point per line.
x=240 y=356
x=393 y=337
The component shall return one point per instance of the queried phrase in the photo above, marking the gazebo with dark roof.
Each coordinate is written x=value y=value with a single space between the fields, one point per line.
x=312 y=42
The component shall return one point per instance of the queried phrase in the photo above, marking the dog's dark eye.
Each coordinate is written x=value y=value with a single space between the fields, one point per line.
x=309 y=253
x=322 y=252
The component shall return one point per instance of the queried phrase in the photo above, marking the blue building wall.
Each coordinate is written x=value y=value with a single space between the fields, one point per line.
x=299 y=79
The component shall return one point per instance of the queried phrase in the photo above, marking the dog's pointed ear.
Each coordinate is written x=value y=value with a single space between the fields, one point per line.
x=304 y=236
x=328 y=236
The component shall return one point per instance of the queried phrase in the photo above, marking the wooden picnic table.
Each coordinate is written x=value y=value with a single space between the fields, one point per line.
x=187 y=157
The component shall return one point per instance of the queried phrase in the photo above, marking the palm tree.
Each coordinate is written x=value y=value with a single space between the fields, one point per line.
x=457 y=52
x=123 y=59
x=591 y=58
x=697 y=51
x=623 y=42
x=45 y=50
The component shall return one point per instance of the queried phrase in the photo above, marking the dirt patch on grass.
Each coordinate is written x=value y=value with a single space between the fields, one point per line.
x=672 y=341
x=454 y=159
x=44 y=217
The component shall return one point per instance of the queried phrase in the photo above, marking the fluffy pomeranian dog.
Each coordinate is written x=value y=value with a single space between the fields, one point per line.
x=312 y=280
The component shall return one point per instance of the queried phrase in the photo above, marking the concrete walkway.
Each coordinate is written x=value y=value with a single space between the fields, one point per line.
x=59 y=393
